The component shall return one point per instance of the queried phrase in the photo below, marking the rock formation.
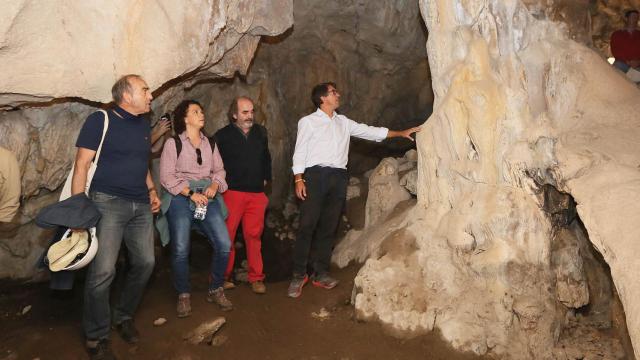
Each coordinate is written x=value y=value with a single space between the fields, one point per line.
x=385 y=191
x=375 y=52
x=522 y=109
x=518 y=104
x=70 y=49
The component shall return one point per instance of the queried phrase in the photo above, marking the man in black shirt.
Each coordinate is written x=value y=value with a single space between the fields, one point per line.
x=245 y=152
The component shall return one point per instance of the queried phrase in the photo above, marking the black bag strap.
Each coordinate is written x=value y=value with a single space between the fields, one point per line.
x=176 y=138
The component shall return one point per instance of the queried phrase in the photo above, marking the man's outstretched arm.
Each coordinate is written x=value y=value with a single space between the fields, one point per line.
x=403 y=133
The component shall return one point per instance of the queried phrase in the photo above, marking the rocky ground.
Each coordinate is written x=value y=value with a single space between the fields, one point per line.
x=38 y=324
x=319 y=325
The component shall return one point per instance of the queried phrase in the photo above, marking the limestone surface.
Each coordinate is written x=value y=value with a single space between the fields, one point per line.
x=385 y=191
x=374 y=51
x=518 y=104
x=79 y=48
x=66 y=50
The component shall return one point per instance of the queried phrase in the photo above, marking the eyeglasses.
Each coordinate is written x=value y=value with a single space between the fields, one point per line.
x=333 y=91
x=199 y=154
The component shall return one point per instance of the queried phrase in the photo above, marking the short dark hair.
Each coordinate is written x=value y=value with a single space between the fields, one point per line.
x=122 y=86
x=233 y=108
x=180 y=114
x=319 y=91
x=629 y=12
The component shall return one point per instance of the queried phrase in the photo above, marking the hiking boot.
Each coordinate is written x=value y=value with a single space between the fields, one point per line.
x=127 y=331
x=228 y=285
x=100 y=350
x=295 y=287
x=183 y=307
x=258 y=287
x=324 y=281
x=217 y=296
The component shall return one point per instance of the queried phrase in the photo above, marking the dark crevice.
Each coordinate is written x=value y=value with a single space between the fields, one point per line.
x=584 y=288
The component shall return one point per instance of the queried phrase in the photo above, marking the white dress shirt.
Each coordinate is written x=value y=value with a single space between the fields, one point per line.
x=324 y=140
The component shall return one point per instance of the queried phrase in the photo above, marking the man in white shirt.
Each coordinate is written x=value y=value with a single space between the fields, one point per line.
x=319 y=167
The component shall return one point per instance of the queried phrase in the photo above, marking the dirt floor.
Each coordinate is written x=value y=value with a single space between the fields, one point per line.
x=36 y=323
x=269 y=326
x=321 y=324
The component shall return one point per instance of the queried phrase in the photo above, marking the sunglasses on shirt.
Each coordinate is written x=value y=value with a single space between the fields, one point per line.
x=199 y=154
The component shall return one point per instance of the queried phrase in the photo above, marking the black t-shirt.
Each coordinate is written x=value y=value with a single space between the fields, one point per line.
x=246 y=159
x=124 y=160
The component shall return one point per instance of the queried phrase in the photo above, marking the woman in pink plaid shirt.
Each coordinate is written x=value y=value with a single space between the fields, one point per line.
x=194 y=177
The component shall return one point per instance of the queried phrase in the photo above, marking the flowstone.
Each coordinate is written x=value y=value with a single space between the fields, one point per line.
x=518 y=104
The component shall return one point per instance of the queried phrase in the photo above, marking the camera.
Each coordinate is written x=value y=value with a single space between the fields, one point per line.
x=167 y=116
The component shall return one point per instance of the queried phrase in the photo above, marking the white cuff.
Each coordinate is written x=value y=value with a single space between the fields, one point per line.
x=298 y=170
x=382 y=134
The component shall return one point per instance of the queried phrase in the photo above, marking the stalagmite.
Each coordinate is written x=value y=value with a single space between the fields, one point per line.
x=518 y=104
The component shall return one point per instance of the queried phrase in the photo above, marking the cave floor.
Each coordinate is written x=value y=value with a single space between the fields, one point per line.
x=270 y=326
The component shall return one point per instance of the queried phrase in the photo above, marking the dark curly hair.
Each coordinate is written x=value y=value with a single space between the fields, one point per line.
x=180 y=114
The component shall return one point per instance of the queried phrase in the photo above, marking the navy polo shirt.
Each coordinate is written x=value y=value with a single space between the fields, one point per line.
x=124 y=160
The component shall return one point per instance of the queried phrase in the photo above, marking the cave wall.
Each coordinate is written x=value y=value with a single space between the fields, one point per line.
x=210 y=51
x=518 y=102
x=79 y=49
x=64 y=57
x=375 y=53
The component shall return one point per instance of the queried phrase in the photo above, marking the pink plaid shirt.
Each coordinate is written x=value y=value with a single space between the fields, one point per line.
x=175 y=173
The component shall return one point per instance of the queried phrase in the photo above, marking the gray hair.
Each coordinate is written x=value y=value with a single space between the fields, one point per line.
x=122 y=86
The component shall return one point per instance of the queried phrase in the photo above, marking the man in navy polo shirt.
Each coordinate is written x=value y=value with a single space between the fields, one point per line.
x=123 y=192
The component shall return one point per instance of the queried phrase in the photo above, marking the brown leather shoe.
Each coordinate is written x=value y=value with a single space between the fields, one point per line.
x=217 y=296
x=258 y=287
x=228 y=285
x=183 y=307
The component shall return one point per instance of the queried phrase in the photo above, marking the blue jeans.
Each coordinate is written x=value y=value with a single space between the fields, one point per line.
x=121 y=220
x=621 y=65
x=180 y=217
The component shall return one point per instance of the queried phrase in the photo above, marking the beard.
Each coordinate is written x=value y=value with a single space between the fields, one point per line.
x=245 y=124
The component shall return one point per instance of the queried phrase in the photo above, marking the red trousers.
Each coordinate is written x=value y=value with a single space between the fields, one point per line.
x=248 y=208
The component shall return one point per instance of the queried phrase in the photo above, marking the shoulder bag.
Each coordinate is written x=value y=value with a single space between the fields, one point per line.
x=66 y=190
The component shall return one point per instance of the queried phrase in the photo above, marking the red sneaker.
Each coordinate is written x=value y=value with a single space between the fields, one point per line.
x=324 y=281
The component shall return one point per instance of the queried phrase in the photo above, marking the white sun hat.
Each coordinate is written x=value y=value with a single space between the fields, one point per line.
x=73 y=251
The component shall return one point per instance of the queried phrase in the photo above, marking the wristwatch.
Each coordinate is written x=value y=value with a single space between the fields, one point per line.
x=190 y=193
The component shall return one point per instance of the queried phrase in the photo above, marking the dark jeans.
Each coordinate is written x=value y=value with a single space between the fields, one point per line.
x=180 y=217
x=319 y=217
x=121 y=220
x=621 y=65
